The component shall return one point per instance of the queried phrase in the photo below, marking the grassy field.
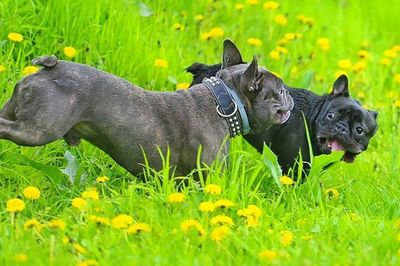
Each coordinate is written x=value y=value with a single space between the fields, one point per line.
x=348 y=215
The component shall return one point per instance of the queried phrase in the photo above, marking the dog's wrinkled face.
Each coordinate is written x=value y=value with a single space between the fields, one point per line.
x=267 y=100
x=343 y=124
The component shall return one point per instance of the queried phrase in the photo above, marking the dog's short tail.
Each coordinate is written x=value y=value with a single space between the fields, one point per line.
x=48 y=61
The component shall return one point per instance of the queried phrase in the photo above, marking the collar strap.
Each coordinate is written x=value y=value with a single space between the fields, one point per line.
x=229 y=106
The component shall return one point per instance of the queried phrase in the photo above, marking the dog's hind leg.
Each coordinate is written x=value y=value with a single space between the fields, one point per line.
x=8 y=111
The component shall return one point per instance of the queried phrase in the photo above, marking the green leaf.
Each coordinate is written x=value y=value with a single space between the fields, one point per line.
x=271 y=161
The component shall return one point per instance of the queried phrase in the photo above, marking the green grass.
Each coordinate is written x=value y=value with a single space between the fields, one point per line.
x=356 y=228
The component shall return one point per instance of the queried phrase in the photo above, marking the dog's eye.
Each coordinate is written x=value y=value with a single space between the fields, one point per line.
x=330 y=115
x=281 y=91
x=359 y=130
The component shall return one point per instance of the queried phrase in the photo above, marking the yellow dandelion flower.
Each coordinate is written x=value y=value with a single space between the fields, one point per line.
x=285 y=180
x=359 y=66
x=365 y=44
x=15 y=205
x=28 y=70
x=102 y=179
x=160 y=63
x=390 y=53
x=79 y=203
x=121 y=221
x=205 y=36
x=301 y=18
x=397 y=104
x=281 y=20
x=396 y=48
x=251 y=211
x=254 y=41
x=79 y=248
x=306 y=237
x=2 y=68
x=213 y=189
x=332 y=193
x=290 y=36
x=88 y=263
x=15 y=37
x=217 y=32
x=223 y=203
x=220 y=233
x=344 y=64
x=252 y=222
x=90 y=194
x=267 y=254
x=20 y=257
x=31 y=193
x=253 y=2
x=363 y=54
x=340 y=72
x=182 y=86
x=138 y=228
x=192 y=223
x=177 y=26
x=286 y=238
x=271 y=5
x=222 y=220
x=361 y=95
x=207 y=206
x=385 y=61
x=282 y=50
x=392 y=94
x=283 y=42
x=323 y=43
x=176 y=197
x=33 y=224
x=70 y=51
x=99 y=220
x=239 y=7
x=274 y=55
x=56 y=224
x=66 y=240
x=396 y=78
x=199 y=18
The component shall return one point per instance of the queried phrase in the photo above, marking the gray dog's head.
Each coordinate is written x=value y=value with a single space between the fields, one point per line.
x=343 y=124
x=266 y=100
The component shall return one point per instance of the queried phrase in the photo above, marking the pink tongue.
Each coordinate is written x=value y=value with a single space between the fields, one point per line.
x=336 y=146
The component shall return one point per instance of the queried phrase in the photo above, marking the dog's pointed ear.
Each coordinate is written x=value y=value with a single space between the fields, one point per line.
x=231 y=55
x=341 y=87
x=248 y=79
x=373 y=113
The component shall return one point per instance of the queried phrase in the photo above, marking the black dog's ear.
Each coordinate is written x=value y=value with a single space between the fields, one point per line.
x=231 y=55
x=341 y=87
x=373 y=113
x=248 y=79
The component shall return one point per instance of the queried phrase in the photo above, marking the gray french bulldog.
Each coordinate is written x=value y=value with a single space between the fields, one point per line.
x=74 y=101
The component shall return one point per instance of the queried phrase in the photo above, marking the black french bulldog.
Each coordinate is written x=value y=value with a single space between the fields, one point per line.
x=74 y=101
x=336 y=122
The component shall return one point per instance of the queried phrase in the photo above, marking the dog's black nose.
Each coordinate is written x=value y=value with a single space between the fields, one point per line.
x=341 y=127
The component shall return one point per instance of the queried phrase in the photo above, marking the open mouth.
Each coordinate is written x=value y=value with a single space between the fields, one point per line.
x=282 y=116
x=328 y=145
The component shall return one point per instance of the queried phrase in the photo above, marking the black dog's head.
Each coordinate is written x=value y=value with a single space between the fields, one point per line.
x=343 y=124
x=266 y=100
